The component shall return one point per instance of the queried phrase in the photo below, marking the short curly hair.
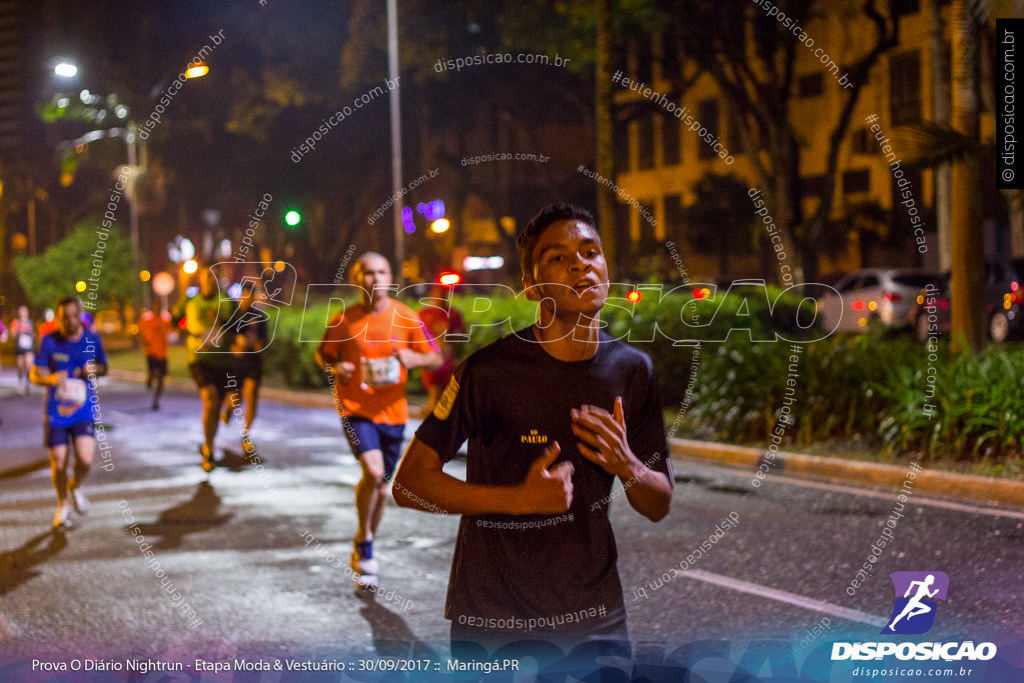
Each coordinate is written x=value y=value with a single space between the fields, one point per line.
x=552 y=213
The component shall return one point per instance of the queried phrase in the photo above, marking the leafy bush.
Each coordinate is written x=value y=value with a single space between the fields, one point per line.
x=864 y=387
x=867 y=386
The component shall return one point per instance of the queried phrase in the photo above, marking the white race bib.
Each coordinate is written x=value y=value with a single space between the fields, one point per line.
x=72 y=392
x=381 y=372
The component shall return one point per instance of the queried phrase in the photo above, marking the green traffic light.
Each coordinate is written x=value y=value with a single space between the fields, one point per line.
x=292 y=218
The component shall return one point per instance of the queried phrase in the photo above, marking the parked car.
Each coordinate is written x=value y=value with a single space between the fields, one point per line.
x=1004 y=304
x=873 y=294
x=108 y=322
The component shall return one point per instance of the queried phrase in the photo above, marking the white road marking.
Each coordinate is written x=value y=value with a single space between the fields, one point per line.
x=913 y=498
x=783 y=596
x=871 y=493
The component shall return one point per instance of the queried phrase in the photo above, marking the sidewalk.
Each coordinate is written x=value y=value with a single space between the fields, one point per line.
x=979 y=490
x=965 y=487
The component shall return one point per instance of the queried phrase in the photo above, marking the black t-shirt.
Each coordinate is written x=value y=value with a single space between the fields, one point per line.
x=511 y=399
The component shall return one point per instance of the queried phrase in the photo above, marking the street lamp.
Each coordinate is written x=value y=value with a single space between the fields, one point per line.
x=65 y=70
x=136 y=151
x=197 y=71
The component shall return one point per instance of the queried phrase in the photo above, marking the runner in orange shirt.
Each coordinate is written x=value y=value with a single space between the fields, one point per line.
x=369 y=349
x=154 y=328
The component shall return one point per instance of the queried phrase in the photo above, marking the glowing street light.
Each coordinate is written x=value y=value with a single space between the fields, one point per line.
x=66 y=70
x=197 y=71
x=190 y=266
x=440 y=225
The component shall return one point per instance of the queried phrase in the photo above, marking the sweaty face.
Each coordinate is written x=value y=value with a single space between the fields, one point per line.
x=69 y=321
x=374 y=276
x=569 y=268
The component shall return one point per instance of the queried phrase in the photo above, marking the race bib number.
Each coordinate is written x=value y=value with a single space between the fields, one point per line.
x=381 y=372
x=72 y=393
x=25 y=342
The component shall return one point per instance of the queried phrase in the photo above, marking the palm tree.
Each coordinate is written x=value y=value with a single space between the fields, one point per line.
x=936 y=143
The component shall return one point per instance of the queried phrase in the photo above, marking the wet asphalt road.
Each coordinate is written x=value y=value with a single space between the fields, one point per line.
x=253 y=556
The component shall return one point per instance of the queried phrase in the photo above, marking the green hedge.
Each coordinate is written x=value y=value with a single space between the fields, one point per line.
x=869 y=387
x=864 y=387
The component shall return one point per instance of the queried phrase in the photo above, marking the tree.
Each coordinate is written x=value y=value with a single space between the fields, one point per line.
x=752 y=57
x=967 y=288
x=721 y=212
x=92 y=254
x=936 y=143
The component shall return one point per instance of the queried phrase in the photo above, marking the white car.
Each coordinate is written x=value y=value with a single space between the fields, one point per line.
x=873 y=294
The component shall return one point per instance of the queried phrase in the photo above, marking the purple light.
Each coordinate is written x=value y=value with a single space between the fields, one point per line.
x=407 y=221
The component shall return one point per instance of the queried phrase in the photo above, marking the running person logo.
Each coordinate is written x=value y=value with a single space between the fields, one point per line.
x=917 y=594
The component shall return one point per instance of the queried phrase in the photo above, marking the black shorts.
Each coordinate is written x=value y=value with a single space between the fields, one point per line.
x=364 y=435
x=250 y=366
x=61 y=436
x=207 y=375
x=157 y=365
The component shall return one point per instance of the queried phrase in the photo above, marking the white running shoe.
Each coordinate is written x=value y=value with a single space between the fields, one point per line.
x=79 y=500
x=62 y=518
x=367 y=581
x=361 y=564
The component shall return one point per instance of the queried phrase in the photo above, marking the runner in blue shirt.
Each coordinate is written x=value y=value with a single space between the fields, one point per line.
x=69 y=362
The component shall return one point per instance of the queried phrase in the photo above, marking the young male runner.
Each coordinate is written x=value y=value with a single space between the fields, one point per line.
x=209 y=360
x=68 y=363
x=369 y=349
x=553 y=414
x=248 y=329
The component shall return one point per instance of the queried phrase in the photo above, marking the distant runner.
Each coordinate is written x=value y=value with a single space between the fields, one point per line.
x=155 y=327
x=24 y=332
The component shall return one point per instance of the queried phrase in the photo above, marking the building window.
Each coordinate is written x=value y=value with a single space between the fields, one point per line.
x=669 y=140
x=811 y=85
x=913 y=174
x=814 y=185
x=860 y=141
x=707 y=113
x=905 y=88
x=734 y=138
x=856 y=181
x=623 y=230
x=671 y=67
x=643 y=60
x=621 y=151
x=645 y=143
x=673 y=217
x=901 y=7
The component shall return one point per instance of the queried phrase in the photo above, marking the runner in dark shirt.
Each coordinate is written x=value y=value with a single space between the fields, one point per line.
x=553 y=413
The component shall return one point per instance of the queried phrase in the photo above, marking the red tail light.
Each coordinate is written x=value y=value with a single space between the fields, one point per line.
x=892 y=297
